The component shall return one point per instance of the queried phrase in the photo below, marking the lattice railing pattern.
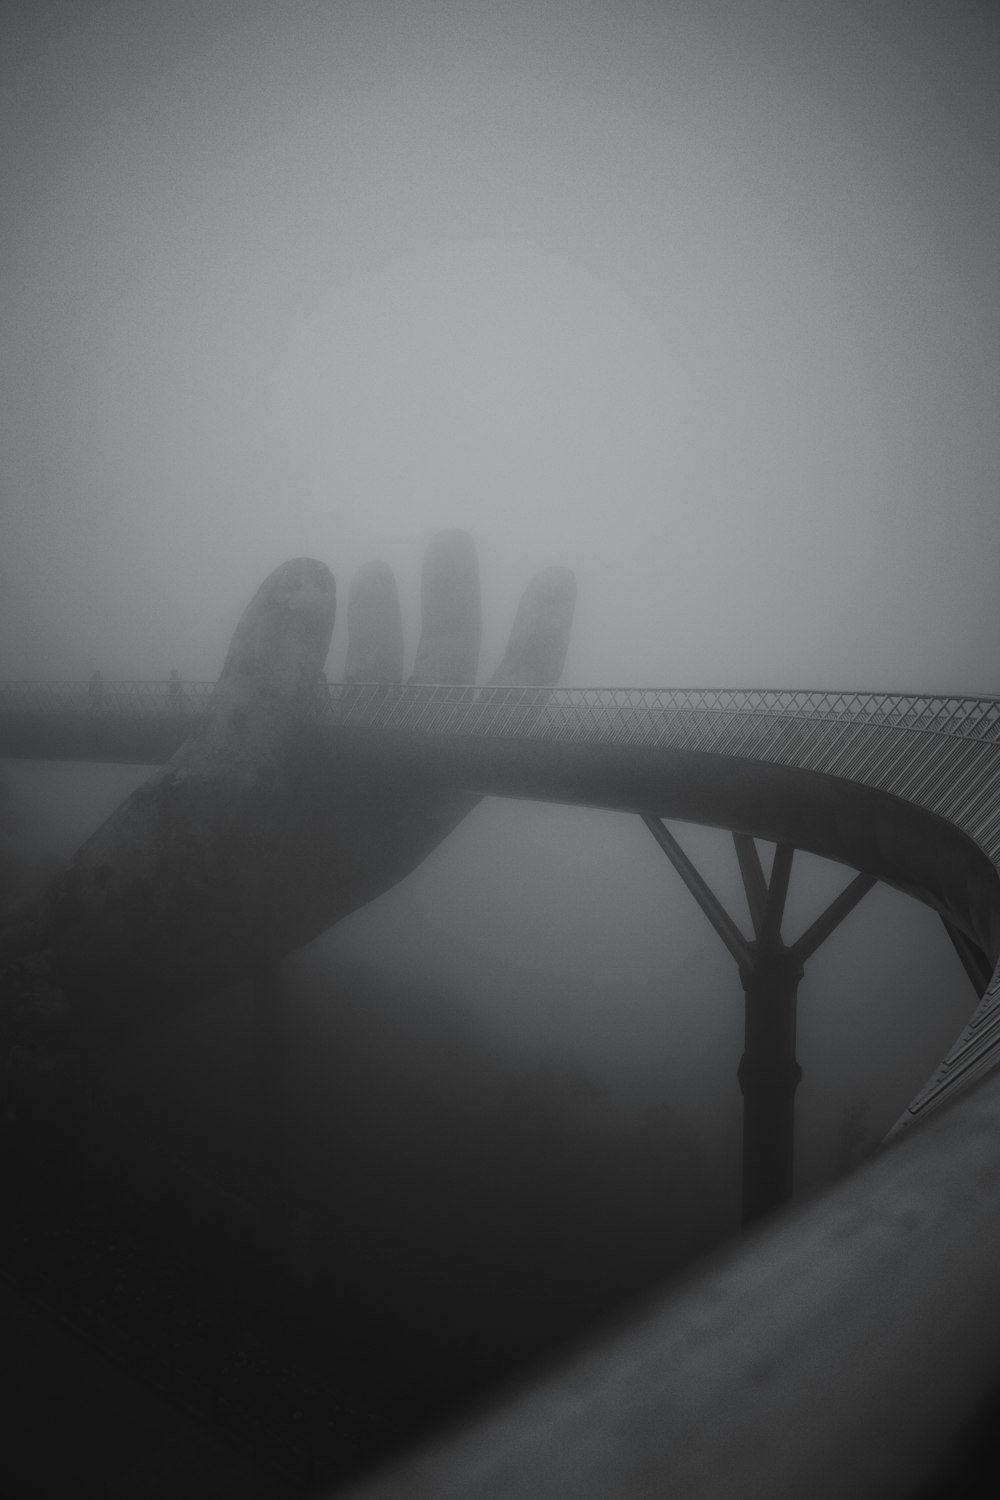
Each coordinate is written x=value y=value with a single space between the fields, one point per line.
x=651 y=715
x=134 y=699
x=939 y=751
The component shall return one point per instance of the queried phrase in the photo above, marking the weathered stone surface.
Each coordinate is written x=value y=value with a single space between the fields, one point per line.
x=374 y=626
x=172 y=895
x=451 y=613
x=254 y=838
x=540 y=638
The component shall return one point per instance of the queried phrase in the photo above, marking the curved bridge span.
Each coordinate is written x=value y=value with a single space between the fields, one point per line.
x=844 y=1346
x=902 y=787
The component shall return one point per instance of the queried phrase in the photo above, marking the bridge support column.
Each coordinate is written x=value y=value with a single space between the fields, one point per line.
x=769 y=1074
x=770 y=972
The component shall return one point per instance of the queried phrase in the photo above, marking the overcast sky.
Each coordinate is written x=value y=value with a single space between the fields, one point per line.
x=697 y=298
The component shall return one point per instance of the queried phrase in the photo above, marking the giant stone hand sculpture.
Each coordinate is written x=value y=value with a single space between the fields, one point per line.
x=250 y=842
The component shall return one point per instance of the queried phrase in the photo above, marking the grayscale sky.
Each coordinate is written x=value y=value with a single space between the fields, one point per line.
x=697 y=297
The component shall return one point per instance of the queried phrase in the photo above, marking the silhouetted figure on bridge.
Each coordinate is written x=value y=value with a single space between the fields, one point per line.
x=95 y=690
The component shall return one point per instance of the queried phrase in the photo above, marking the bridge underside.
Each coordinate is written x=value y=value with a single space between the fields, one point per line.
x=863 y=827
x=106 y=739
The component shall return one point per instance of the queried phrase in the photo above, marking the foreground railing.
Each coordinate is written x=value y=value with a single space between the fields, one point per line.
x=845 y=1351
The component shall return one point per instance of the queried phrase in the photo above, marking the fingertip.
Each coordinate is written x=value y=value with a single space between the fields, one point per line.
x=451 y=610
x=283 y=636
x=539 y=638
x=374 y=626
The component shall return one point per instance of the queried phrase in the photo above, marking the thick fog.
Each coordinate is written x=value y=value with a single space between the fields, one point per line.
x=697 y=299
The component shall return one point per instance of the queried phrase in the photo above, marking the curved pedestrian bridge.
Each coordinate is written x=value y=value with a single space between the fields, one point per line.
x=844 y=1346
x=903 y=787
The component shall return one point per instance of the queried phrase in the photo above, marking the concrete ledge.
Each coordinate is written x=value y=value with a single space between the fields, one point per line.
x=841 y=1351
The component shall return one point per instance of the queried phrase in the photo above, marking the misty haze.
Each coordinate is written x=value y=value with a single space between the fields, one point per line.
x=693 y=302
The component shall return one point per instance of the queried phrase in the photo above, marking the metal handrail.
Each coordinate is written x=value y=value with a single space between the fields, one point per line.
x=841 y=1350
x=584 y=712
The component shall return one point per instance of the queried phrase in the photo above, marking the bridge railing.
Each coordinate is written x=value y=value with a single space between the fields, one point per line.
x=654 y=716
x=132 y=699
x=735 y=718
x=844 y=1348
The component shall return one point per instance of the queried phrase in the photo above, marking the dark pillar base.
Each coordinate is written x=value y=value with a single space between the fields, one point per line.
x=769 y=1074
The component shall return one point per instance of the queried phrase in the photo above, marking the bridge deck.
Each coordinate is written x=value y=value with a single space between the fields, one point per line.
x=936 y=753
x=855 y=1282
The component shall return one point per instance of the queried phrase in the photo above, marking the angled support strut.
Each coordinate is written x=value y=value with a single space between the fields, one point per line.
x=700 y=890
x=770 y=973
